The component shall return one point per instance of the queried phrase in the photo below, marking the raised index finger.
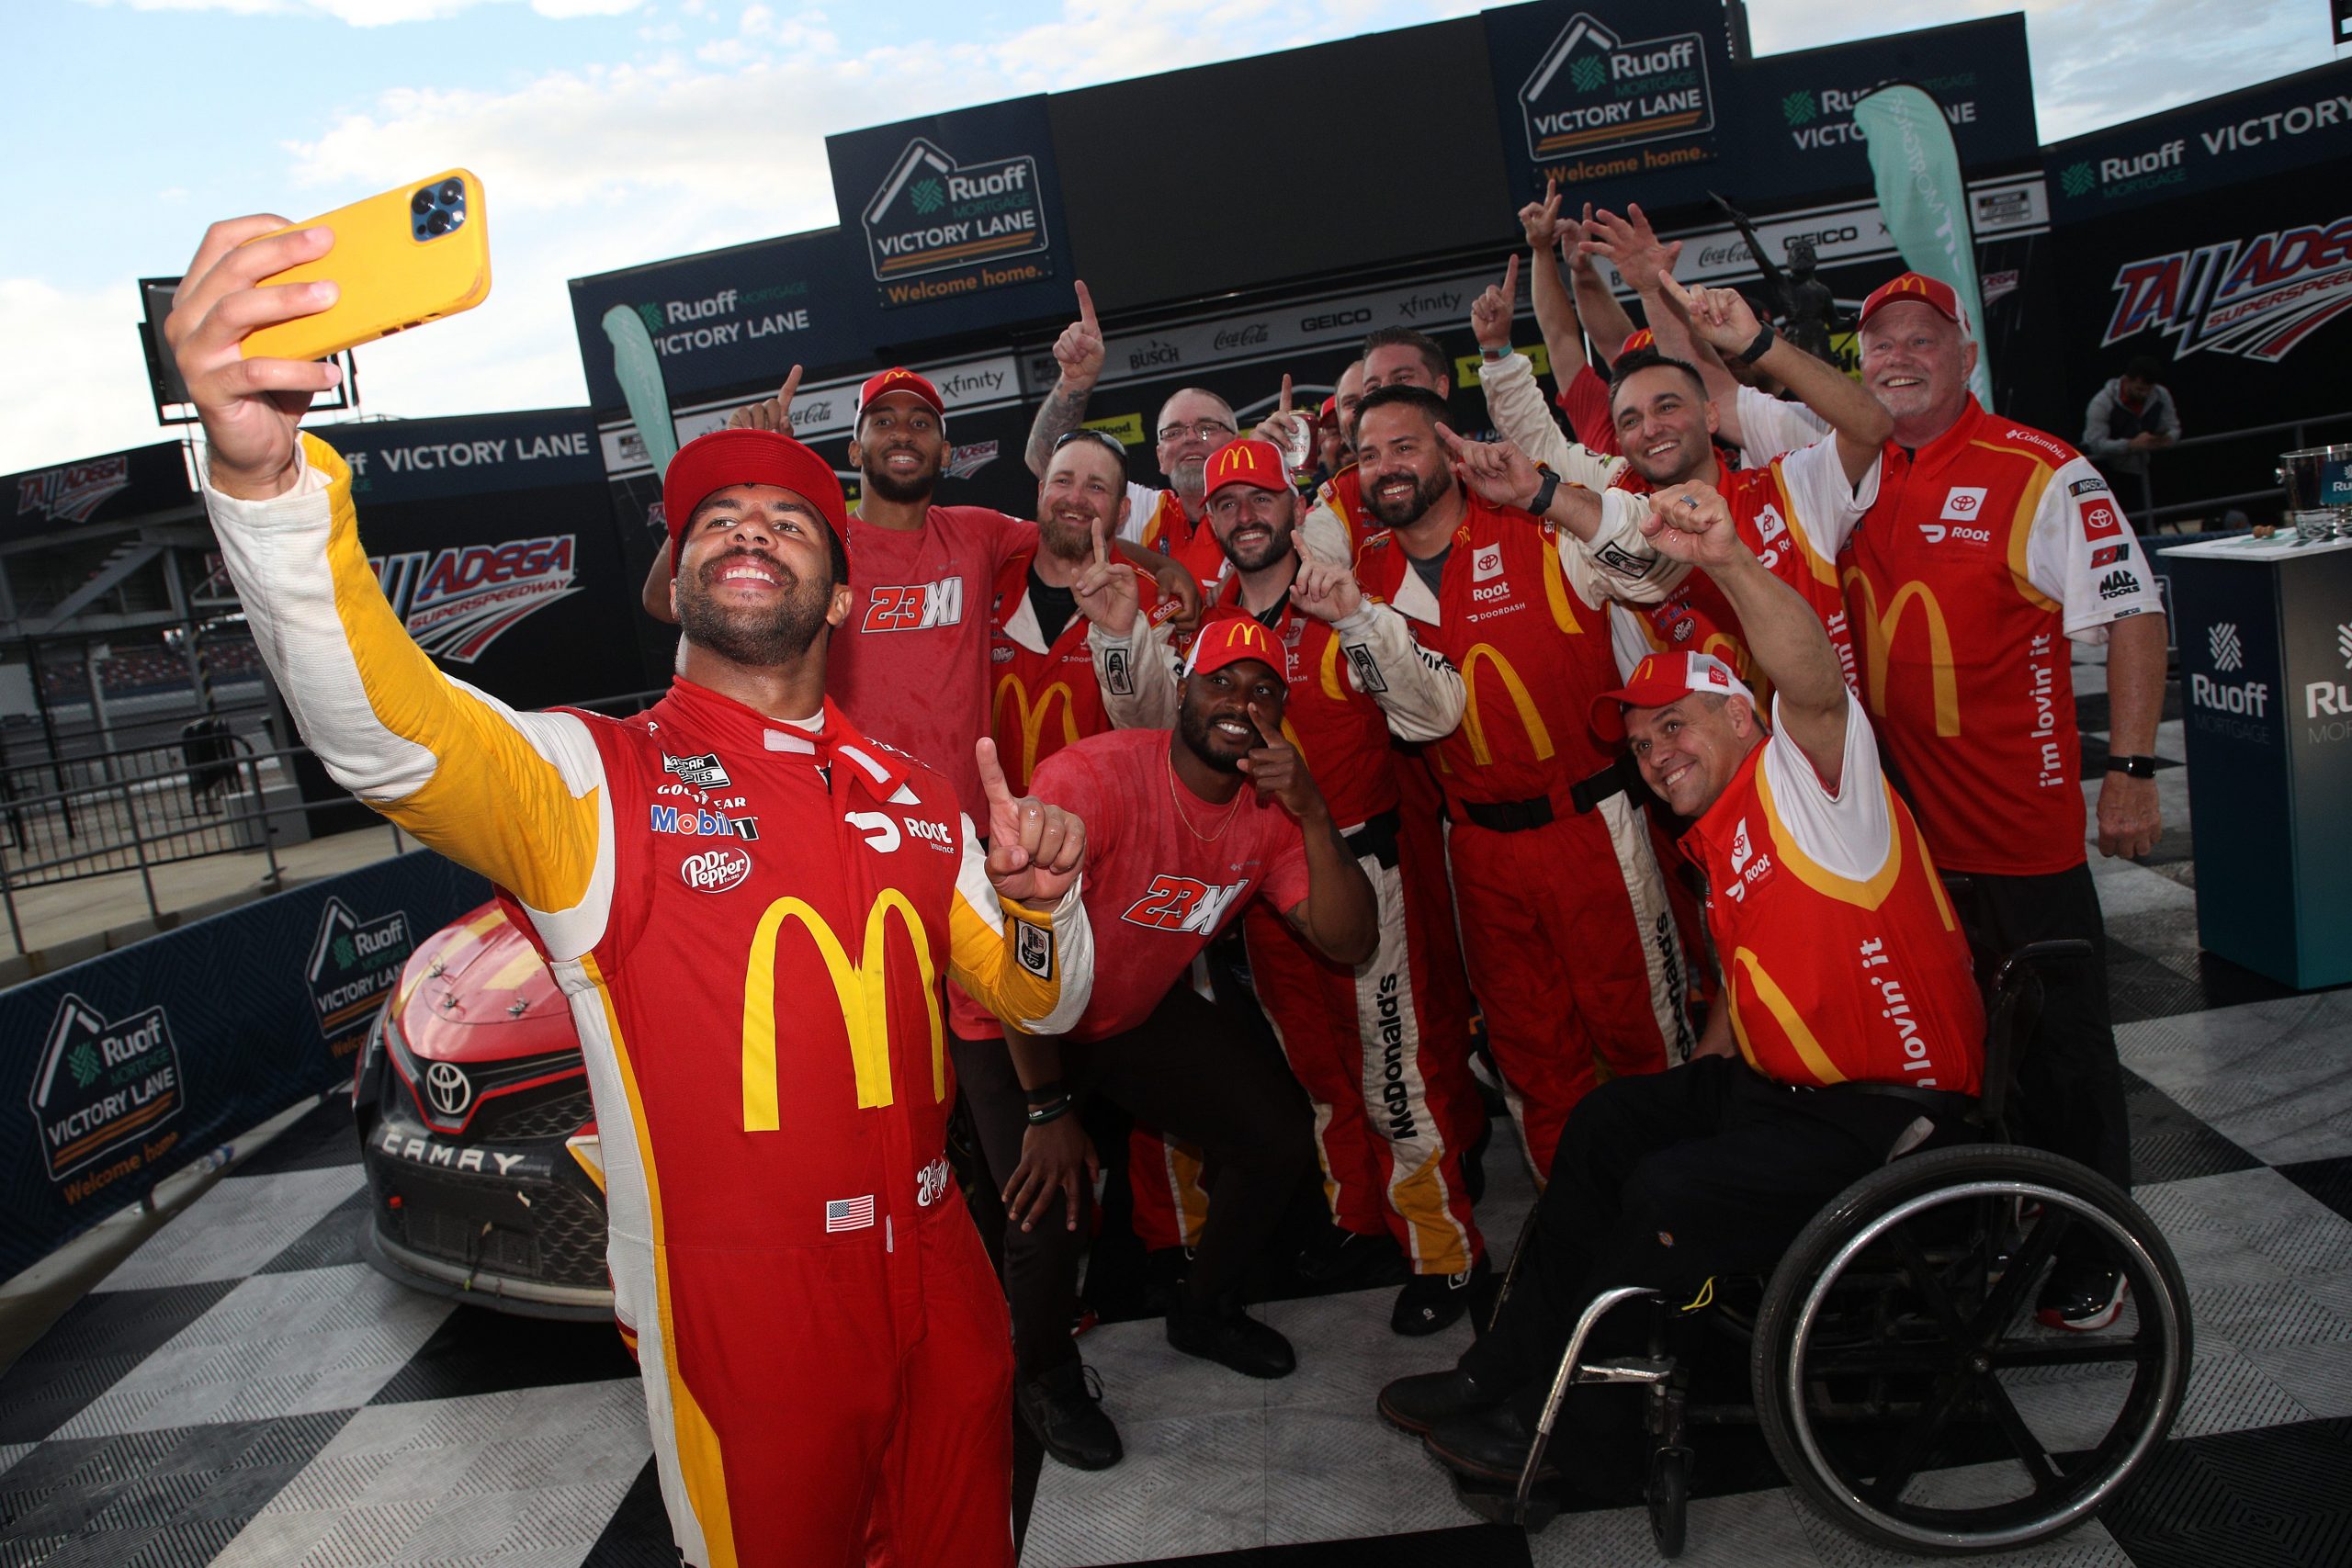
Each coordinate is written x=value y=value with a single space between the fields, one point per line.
x=791 y=385
x=1270 y=737
x=1085 y=308
x=1283 y=406
x=1510 y=282
x=1102 y=544
x=992 y=781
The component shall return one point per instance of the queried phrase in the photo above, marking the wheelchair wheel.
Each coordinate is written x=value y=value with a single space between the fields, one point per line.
x=1668 y=1493
x=1904 y=1385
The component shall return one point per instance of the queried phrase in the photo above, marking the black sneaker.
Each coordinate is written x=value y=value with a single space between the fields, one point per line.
x=1418 y=1403
x=1430 y=1302
x=1231 y=1337
x=1063 y=1406
x=2080 y=1295
x=1346 y=1260
x=1164 y=1271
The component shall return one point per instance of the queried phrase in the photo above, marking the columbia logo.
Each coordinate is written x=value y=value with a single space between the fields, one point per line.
x=2222 y=642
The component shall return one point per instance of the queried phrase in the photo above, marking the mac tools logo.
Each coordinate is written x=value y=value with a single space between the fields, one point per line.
x=2256 y=299
x=1592 y=90
x=71 y=493
x=456 y=602
x=933 y=214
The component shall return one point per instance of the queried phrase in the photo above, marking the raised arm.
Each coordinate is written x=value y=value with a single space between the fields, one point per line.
x=1691 y=523
x=1604 y=315
x=1079 y=352
x=1037 y=979
x=1419 y=690
x=1338 y=916
x=515 y=796
x=1555 y=307
x=1601 y=545
x=1860 y=421
x=1133 y=666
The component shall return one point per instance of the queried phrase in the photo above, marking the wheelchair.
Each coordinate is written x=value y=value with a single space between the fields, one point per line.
x=1893 y=1363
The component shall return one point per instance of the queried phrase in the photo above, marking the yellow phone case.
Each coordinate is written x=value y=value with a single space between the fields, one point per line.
x=394 y=271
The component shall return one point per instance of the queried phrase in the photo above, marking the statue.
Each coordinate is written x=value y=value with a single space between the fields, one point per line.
x=1807 y=312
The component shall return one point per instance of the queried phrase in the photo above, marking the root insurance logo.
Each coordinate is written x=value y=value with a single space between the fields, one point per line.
x=1592 y=90
x=103 y=1085
x=931 y=215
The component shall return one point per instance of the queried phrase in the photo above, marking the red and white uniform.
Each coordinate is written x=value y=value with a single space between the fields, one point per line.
x=1842 y=958
x=1987 y=550
x=1381 y=1049
x=913 y=668
x=1570 y=945
x=1050 y=693
x=758 y=1000
x=1585 y=400
x=1157 y=521
x=1335 y=525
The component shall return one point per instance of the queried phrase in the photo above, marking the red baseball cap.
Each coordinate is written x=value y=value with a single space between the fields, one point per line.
x=1915 y=286
x=1637 y=340
x=708 y=464
x=1228 y=635
x=899 y=379
x=1329 y=412
x=1247 y=461
x=1660 y=679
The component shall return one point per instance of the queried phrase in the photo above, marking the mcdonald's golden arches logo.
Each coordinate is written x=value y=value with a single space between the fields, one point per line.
x=863 y=990
x=1874 y=637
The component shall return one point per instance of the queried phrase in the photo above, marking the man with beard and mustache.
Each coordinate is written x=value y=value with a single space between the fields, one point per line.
x=1193 y=423
x=1996 y=544
x=804 y=1302
x=1177 y=847
x=1381 y=1047
x=1565 y=926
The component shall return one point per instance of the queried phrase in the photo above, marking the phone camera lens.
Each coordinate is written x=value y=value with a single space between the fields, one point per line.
x=421 y=203
x=438 y=223
x=452 y=192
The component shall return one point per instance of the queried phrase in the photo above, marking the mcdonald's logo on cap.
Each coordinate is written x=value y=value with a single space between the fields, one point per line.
x=1915 y=285
x=1229 y=635
x=899 y=379
x=1246 y=461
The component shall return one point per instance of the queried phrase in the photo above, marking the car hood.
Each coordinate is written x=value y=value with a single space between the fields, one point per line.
x=476 y=990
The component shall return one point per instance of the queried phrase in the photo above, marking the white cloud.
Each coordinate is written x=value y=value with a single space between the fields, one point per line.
x=375 y=12
x=73 y=380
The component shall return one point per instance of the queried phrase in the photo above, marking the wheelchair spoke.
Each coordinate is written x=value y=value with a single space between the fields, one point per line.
x=2070 y=1353
x=2029 y=1451
x=1930 y=1286
x=2025 y=1267
x=1917 y=1446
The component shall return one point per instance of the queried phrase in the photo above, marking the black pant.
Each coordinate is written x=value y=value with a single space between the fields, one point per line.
x=1666 y=1180
x=2070 y=1086
x=1188 y=1072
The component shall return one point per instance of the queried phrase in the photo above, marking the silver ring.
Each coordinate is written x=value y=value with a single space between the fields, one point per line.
x=1691 y=502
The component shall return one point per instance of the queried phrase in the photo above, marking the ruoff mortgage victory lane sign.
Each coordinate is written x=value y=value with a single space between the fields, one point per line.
x=1616 y=98
x=952 y=205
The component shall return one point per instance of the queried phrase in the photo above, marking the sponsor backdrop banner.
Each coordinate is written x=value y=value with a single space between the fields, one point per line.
x=137 y=483
x=2215 y=145
x=955 y=217
x=128 y=1068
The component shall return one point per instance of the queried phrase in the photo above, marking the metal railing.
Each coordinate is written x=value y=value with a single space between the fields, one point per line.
x=2285 y=436
x=141 y=808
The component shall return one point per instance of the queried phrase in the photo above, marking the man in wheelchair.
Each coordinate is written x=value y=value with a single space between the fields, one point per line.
x=1851 y=1030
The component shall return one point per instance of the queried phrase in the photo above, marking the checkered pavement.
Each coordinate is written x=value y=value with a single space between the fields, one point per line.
x=245 y=1390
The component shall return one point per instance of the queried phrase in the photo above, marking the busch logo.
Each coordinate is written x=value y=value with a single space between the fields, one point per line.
x=715 y=871
x=2256 y=299
x=459 y=601
x=69 y=494
x=915 y=607
x=1175 y=903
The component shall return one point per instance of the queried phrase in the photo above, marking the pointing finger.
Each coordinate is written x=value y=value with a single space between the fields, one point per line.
x=1102 y=544
x=1270 y=737
x=791 y=385
x=1510 y=282
x=992 y=781
x=1283 y=406
x=1452 y=442
x=1085 y=308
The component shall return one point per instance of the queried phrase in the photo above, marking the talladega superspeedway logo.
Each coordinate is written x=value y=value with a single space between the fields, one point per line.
x=456 y=602
x=2256 y=299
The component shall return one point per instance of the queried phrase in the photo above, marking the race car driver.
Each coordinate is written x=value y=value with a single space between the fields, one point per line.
x=1186 y=830
x=1990 y=546
x=1565 y=926
x=1851 y=1007
x=1381 y=1049
x=804 y=1299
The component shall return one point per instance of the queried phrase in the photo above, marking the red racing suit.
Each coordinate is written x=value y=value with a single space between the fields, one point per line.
x=1566 y=928
x=1157 y=520
x=750 y=921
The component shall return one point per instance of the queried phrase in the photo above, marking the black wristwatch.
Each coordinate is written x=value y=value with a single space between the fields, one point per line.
x=1759 y=348
x=2133 y=767
x=1543 y=493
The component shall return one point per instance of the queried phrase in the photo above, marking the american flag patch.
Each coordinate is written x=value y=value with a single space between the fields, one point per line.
x=849 y=1214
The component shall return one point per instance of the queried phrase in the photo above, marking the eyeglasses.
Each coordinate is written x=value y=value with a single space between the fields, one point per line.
x=1206 y=429
x=1101 y=436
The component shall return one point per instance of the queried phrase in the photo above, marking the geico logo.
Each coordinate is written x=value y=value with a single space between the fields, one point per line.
x=1333 y=319
x=915 y=607
x=715 y=871
x=2327 y=698
x=1175 y=903
x=1492 y=591
x=1820 y=237
x=707 y=824
x=2235 y=696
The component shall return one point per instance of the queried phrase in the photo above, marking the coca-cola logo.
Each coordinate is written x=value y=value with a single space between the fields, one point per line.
x=715 y=871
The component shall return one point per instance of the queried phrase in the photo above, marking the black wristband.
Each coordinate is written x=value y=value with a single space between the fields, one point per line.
x=2133 y=767
x=1051 y=1089
x=1759 y=348
x=1040 y=1114
x=1543 y=493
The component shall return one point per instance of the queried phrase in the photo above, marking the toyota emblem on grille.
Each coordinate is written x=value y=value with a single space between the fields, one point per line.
x=448 y=1088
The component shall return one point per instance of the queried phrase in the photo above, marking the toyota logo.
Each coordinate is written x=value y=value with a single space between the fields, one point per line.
x=448 y=1089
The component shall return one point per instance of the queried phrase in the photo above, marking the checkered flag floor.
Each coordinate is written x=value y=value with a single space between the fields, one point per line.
x=245 y=1391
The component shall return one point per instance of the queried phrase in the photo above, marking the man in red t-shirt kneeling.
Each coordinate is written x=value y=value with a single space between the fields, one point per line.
x=1177 y=847
x=1822 y=899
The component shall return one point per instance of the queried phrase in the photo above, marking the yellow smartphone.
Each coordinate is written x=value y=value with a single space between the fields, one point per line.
x=410 y=255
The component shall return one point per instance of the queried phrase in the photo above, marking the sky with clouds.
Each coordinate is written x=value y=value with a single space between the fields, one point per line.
x=614 y=133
